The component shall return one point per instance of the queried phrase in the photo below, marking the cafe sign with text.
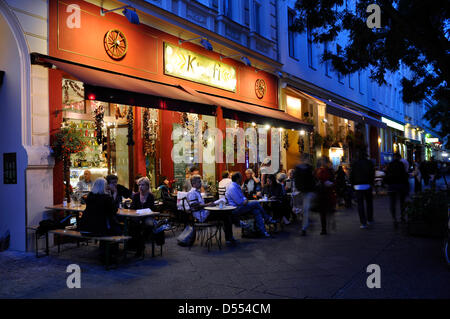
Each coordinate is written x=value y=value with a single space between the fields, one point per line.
x=194 y=67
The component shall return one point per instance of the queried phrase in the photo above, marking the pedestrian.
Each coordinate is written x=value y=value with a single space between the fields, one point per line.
x=362 y=178
x=325 y=191
x=341 y=184
x=423 y=167
x=304 y=182
x=417 y=177
x=397 y=180
x=433 y=171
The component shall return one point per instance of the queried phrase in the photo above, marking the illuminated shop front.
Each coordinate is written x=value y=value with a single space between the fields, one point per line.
x=129 y=103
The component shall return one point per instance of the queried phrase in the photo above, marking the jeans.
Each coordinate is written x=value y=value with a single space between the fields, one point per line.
x=258 y=212
x=361 y=196
x=394 y=191
x=307 y=199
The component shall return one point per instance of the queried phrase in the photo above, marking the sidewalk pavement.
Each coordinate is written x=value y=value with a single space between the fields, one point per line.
x=287 y=266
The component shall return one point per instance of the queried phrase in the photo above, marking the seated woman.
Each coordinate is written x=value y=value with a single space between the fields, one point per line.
x=169 y=203
x=252 y=184
x=99 y=215
x=141 y=229
x=274 y=191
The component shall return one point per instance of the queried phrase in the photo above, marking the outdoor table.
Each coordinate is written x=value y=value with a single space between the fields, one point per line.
x=132 y=213
x=71 y=208
x=216 y=209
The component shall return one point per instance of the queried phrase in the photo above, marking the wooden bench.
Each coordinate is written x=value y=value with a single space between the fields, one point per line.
x=76 y=234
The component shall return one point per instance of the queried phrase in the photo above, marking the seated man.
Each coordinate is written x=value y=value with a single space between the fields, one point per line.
x=85 y=183
x=196 y=203
x=116 y=190
x=236 y=198
x=223 y=184
x=280 y=208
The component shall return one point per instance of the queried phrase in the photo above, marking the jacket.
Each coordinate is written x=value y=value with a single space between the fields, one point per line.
x=362 y=172
x=99 y=215
x=396 y=174
x=304 y=178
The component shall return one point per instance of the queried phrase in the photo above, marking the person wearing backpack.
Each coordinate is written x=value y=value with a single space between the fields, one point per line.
x=398 y=185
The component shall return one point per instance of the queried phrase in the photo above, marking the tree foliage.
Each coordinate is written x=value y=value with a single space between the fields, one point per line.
x=413 y=38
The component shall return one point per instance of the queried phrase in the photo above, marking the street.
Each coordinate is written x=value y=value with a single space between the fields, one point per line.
x=286 y=266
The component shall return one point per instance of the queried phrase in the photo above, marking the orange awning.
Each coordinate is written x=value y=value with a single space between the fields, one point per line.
x=250 y=112
x=114 y=87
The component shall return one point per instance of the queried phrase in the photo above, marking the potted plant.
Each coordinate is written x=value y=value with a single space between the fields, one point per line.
x=427 y=213
x=69 y=140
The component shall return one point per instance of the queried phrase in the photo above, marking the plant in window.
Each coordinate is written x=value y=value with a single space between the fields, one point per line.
x=69 y=140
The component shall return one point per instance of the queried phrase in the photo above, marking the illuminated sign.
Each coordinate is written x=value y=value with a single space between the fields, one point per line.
x=191 y=66
x=393 y=124
x=431 y=140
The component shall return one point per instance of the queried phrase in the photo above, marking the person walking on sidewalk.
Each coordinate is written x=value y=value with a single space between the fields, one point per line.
x=362 y=177
x=304 y=182
x=417 y=177
x=397 y=180
x=325 y=192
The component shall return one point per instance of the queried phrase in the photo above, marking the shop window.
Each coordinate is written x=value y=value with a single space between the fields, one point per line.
x=73 y=96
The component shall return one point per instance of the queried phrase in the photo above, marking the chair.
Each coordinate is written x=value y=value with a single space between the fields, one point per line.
x=205 y=231
x=222 y=191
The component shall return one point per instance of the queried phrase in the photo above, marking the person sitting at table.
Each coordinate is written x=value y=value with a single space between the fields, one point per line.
x=169 y=203
x=99 y=216
x=116 y=190
x=196 y=204
x=135 y=186
x=142 y=228
x=187 y=183
x=85 y=183
x=252 y=184
x=235 y=197
x=281 y=179
x=274 y=191
x=223 y=184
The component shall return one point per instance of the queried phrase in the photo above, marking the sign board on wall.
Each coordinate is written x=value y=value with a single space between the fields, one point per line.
x=191 y=66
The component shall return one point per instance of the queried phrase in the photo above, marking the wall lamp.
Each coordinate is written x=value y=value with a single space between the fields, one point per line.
x=131 y=16
x=244 y=59
x=204 y=42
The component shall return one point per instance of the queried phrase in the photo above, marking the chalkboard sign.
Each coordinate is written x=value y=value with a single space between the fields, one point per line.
x=9 y=168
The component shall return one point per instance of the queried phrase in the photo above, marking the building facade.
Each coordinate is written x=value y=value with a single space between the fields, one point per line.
x=221 y=63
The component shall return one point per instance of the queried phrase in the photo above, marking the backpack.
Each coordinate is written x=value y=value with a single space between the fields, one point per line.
x=187 y=237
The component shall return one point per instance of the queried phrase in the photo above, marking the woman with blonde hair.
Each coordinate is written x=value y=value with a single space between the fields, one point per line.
x=99 y=215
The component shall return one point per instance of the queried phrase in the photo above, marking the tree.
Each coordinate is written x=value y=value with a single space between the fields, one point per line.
x=414 y=37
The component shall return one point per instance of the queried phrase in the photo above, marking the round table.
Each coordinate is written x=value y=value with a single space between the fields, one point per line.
x=217 y=209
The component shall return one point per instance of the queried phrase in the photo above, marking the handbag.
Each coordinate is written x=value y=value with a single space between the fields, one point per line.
x=187 y=237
